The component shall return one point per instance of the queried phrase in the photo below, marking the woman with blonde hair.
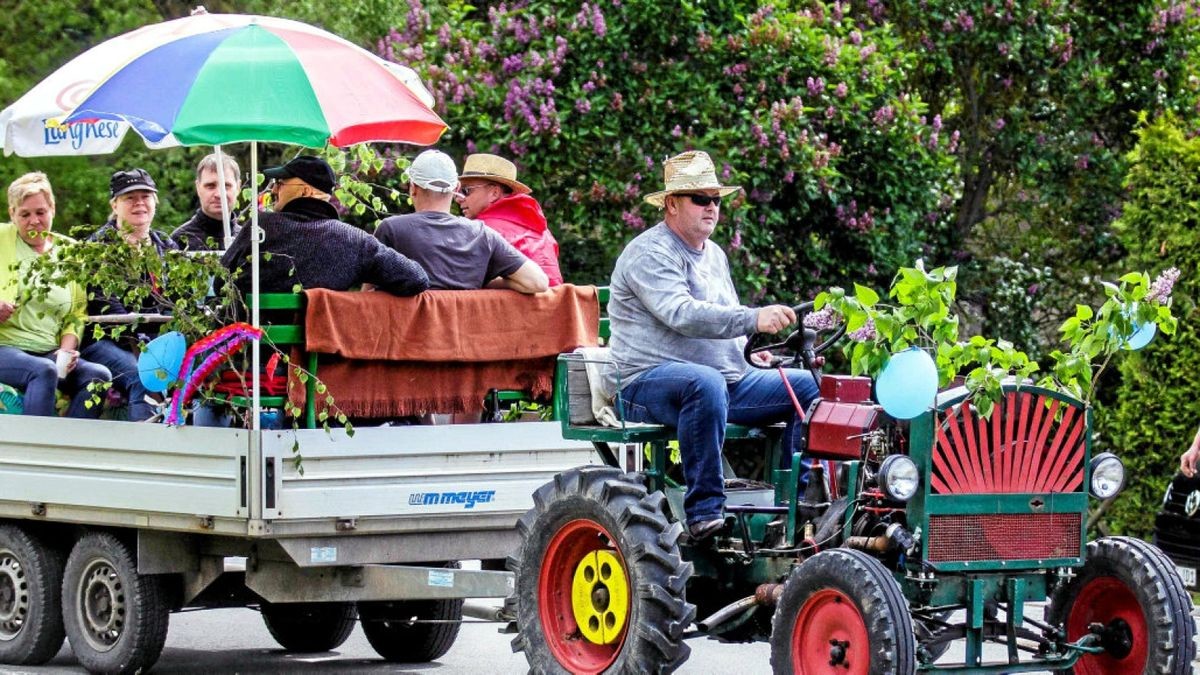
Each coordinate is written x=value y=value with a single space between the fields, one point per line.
x=42 y=332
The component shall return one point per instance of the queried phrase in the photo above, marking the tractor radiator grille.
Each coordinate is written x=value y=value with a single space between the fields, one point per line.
x=1006 y=536
x=1031 y=443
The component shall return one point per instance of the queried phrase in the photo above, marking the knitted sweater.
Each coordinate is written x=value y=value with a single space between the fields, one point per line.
x=309 y=246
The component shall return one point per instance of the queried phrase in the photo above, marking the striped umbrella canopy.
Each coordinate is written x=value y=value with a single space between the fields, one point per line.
x=211 y=79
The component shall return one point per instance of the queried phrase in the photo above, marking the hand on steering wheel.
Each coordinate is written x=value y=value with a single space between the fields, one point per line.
x=801 y=344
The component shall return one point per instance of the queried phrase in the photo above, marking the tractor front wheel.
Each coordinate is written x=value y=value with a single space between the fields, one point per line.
x=1129 y=591
x=600 y=584
x=842 y=612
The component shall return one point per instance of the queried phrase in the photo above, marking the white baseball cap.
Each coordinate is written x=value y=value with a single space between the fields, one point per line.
x=433 y=170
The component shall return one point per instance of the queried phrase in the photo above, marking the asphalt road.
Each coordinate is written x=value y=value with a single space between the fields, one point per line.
x=235 y=641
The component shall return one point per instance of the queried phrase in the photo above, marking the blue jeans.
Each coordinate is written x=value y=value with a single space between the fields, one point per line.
x=123 y=365
x=697 y=401
x=37 y=376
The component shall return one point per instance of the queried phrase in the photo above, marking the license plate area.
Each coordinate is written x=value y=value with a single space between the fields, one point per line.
x=1188 y=574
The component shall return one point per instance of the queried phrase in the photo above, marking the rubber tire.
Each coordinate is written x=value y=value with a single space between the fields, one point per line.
x=309 y=627
x=1166 y=605
x=146 y=611
x=41 y=635
x=876 y=597
x=393 y=636
x=649 y=544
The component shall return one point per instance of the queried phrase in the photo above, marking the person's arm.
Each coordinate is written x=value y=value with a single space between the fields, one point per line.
x=1187 y=463
x=390 y=271
x=529 y=278
x=6 y=310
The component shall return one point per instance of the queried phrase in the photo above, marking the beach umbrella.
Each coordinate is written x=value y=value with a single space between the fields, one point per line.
x=210 y=79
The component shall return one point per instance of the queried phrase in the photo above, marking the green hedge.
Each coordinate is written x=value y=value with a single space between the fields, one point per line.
x=1156 y=411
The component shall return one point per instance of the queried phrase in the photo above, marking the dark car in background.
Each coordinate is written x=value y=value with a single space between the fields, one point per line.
x=1177 y=527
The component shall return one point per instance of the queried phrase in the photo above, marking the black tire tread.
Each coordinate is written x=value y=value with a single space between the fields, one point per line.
x=880 y=601
x=654 y=641
x=1149 y=573
x=43 y=635
x=412 y=643
x=309 y=627
x=143 y=639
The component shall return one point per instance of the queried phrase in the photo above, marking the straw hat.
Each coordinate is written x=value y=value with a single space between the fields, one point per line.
x=494 y=168
x=689 y=172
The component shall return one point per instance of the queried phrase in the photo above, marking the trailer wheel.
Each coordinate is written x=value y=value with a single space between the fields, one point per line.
x=31 y=624
x=115 y=618
x=392 y=630
x=842 y=611
x=309 y=627
x=1131 y=589
x=600 y=584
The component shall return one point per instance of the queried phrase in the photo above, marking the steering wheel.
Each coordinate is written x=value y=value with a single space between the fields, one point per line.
x=801 y=344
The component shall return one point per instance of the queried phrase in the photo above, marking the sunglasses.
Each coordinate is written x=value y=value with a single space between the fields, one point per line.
x=702 y=200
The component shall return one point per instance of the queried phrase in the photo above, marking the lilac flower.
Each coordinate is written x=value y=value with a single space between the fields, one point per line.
x=966 y=22
x=1160 y=290
x=589 y=87
x=676 y=132
x=884 y=116
x=816 y=86
x=865 y=334
x=583 y=105
x=998 y=124
x=822 y=320
x=1082 y=162
x=736 y=242
x=841 y=90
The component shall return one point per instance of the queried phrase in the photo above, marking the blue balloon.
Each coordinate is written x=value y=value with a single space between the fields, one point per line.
x=907 y=386
x=1143 y=333
x=160 y=360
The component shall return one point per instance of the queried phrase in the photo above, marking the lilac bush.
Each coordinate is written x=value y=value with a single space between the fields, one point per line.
x=845 y=174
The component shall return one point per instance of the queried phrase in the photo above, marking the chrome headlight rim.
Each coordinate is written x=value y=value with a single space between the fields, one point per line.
x=891 y=482
x=1103 y=461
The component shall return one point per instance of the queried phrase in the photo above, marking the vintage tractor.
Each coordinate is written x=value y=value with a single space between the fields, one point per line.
x=901 y=538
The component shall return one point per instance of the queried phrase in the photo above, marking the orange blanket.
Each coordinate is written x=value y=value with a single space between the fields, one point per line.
x=442 y=351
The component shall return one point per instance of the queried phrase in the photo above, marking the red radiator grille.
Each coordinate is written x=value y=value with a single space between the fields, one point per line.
x=1006 y=536
x=1031 y=443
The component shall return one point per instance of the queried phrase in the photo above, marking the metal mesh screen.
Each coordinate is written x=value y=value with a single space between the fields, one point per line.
x=1008 y=536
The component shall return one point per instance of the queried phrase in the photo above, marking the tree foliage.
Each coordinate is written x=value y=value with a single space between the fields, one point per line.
x=1155 y=414
x=803 y=107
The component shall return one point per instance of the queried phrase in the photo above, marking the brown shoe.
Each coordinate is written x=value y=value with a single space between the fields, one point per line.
x=704 y=529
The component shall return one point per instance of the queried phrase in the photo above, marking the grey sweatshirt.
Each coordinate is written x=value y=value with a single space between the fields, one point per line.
x=671 y=303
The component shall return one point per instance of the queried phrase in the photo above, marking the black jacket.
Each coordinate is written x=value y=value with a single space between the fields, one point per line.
x=98 y=304
x=194 y=234
x=309 y=246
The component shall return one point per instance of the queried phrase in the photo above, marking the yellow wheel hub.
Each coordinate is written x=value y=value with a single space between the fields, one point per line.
x=600 y=597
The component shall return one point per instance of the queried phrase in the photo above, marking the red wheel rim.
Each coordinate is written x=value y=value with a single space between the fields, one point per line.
x=565 y=551
x=829 y=628
x=1105 y=600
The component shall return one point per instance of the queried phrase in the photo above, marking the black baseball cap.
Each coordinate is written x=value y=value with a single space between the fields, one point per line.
x=128 y=181
x=312 y=170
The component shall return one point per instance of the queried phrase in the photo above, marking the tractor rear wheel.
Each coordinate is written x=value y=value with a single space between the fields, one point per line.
x=1132 y=590
x=600 y=584
x=842 y=612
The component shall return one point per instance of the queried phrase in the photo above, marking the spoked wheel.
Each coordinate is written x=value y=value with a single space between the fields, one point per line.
x=115 y=618
x=1129 y=592
x=31 y=627
x=842 y=612
x=600 y=584
x=309 y=627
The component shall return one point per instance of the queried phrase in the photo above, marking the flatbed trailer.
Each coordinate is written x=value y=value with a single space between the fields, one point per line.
x=373 y=517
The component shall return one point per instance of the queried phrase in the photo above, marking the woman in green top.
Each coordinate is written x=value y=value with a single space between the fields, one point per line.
x=34 y=333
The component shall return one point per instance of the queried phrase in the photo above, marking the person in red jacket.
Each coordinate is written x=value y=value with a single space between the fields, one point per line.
x=489 y=191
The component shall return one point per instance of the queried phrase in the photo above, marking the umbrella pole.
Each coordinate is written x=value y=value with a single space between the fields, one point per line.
x=255 y=469
x=256 y=358
x=224 y=198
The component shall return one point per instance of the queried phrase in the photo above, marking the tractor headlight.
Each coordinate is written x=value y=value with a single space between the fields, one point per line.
x=899 y=478
x=1108 y=475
